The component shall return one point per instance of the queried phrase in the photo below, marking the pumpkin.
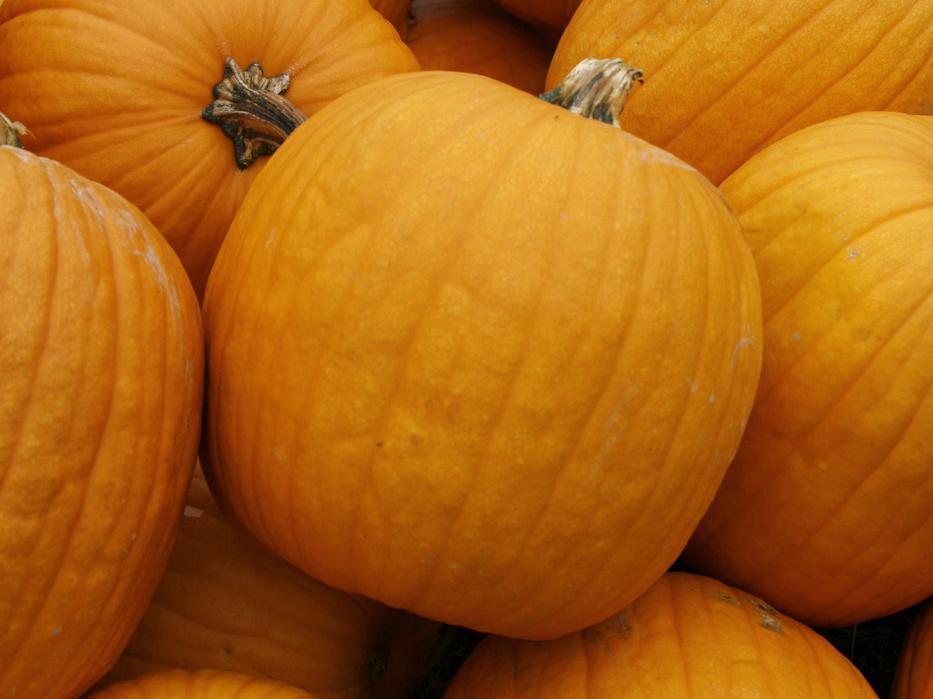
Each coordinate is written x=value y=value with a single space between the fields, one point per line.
x=550 y=15
x=202 y=684
x=120 y=98
x=477 y=37
x=724 y=78
x=914 y=678
x=101 y=376
x=396 y=11
x=220 y=605
x=826 y=512
x=493 y=373
x=688 y=637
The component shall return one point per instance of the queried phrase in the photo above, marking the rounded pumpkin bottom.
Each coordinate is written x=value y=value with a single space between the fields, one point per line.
x=202 y=684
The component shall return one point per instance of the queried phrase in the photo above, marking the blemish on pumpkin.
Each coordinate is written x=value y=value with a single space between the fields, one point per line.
x=57 y=631
x=379 y=445
x=855 y=252
x=768 y=615
x=228 y=651
x=727 y=598
x=416 y=440
x=621 y=623
x=712 y=397
x=796 y=336
x=739 y=346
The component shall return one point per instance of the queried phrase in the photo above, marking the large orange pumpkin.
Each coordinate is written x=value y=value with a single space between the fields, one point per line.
x=724 y=78
x=101 y=376
x=915 y=669
x=688 y=637
x=549 y=15
x=116 y=90
x=226 y=603
x=827 y=512
x=202 y=684
x=474 y=36
x=494 y=372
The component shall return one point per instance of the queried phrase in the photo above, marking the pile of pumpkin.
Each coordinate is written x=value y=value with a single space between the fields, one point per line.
x=490 y=359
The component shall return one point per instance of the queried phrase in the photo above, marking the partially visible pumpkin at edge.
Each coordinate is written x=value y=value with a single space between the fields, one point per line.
x=121 y=98
x=725 y=78
x=101 y=372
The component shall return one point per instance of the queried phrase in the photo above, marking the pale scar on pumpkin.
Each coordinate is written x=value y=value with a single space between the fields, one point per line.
x=768 y=618
x=768 y=614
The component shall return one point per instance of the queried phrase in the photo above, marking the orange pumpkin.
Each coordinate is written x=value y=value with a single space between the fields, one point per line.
x=396 y=11
x=550 y=15
x=202 y=684
x=724 y=78
x=477 y=37
x=121 y=96
x=220 y=605
x=688 y=637
x=101 y=377
x=826 y=512
x=491 y=374
x=915 y=669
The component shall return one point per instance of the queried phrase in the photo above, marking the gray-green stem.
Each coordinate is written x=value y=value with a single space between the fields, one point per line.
x=596 y=88
x=10 y=131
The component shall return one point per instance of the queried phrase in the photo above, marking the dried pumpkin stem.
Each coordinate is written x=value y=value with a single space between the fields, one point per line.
x=596 y=88
x=252 y=111
x=10 y=131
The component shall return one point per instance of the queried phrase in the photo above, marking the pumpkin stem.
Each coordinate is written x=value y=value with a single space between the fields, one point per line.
x=596 y=88
x=10 y=131
x=252 y=111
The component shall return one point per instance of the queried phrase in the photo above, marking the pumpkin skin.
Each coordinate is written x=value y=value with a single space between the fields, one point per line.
x=120 y=98
x=220 y=606
x=101 y=376
x=914 y=678
x=550 y=15
x=478 y=37
x=202 y=684
x=396 y=11
x=688 y=637
x=826 y=510
x=472 y=366
x=725 y=78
